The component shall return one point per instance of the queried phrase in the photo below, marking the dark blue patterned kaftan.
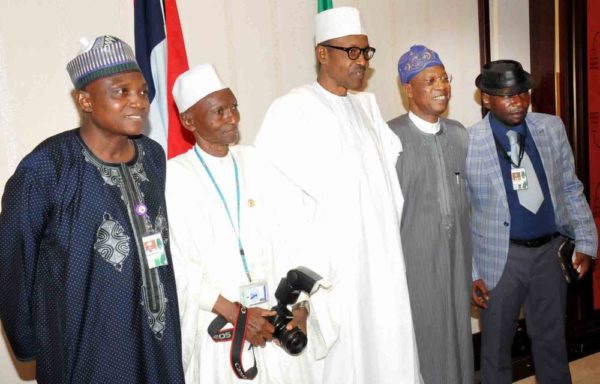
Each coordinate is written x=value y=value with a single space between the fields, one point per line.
x=77 y=294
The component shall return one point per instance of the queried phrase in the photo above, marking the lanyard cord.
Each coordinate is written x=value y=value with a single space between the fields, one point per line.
x=237 y=189
x=505 y=153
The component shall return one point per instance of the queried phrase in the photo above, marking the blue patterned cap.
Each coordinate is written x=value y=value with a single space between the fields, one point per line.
x=106 y=56
x=415 y=60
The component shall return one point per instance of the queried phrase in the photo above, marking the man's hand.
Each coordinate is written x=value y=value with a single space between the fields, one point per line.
x=480 y=294
x=582 y=263
x=299 y=320
x=259 y=329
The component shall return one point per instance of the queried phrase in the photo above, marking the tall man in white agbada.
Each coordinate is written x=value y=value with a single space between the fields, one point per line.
x=220 y=243
x=344 y=205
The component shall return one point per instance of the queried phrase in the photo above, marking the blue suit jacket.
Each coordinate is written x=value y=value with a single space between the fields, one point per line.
x=490 y=216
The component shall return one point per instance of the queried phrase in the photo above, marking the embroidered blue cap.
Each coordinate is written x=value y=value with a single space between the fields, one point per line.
x=106 y=56
x=418 y=58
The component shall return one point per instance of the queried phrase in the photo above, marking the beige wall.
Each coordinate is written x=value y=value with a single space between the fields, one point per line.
x=261 y=48
x=509 y=31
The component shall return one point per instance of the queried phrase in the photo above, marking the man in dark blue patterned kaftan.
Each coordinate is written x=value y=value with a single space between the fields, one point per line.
x=88 y=288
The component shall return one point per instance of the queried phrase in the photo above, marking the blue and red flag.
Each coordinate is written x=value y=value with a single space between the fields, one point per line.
x=160 y=52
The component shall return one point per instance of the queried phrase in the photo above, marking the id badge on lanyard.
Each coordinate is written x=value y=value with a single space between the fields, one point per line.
x=254 y=294
x=154 y=249
x=519 y=179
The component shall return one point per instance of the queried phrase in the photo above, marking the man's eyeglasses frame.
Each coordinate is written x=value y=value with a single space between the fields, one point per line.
x=354 y=52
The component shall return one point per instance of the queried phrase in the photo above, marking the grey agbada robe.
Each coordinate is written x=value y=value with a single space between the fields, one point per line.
x=437 y=247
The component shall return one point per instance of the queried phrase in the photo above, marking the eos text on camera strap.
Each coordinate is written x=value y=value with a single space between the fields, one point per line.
x=237 y=336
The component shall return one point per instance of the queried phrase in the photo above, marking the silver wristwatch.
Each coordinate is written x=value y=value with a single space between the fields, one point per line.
x=302 y=304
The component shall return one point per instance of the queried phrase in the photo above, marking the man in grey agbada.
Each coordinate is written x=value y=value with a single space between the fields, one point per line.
x=435 y=221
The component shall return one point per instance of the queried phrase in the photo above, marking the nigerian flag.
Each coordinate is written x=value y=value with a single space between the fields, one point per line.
x=325 y=4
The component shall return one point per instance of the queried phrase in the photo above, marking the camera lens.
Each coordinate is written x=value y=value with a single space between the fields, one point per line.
x=293 y=341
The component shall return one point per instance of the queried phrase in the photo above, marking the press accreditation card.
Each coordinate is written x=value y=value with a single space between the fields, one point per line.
x=154 y=248
x=519 y=179
x=253 y=294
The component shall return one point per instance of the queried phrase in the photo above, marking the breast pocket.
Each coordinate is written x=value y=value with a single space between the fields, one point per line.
x=459 y=186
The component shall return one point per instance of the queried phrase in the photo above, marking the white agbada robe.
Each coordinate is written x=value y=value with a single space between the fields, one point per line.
x=207 y=261
x=340 y=209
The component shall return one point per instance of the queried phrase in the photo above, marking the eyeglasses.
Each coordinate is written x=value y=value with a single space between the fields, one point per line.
x=354 y=52
x=433 y=80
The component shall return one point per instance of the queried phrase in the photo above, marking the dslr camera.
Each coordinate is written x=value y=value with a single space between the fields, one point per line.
x=289 y=288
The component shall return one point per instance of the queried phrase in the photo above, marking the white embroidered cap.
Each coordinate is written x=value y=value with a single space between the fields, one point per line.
x=337 y=22
x=105 y=56
x=194 y=84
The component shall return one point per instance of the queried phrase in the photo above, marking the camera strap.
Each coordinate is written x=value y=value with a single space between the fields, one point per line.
x=237 y=336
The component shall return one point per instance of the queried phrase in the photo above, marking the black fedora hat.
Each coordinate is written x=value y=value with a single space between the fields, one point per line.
x=504 y=78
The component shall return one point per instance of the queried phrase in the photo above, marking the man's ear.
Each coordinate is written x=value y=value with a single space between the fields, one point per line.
x=485 y=100
x=321 y=53
x=84 y=101
x=187 y=120
x=408 y=90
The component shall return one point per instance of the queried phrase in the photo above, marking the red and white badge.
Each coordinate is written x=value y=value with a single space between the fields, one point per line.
x=154 y=248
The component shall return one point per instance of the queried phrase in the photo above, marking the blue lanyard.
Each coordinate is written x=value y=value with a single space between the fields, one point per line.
x=237 y=189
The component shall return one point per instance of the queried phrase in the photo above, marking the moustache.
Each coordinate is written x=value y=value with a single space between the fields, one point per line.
x=359 y=67
x=514 y=111
x=230 y=128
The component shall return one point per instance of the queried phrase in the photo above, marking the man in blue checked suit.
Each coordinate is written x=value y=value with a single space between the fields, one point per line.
x=525 y=201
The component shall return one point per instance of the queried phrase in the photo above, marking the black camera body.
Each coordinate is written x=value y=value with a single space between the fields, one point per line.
x=297 y=280
x=293 y=341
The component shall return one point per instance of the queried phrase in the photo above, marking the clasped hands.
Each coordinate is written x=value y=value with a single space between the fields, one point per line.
x=259 y=329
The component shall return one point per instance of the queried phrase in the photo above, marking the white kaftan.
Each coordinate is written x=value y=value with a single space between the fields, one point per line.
x=207 y=261
x=340 y=216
